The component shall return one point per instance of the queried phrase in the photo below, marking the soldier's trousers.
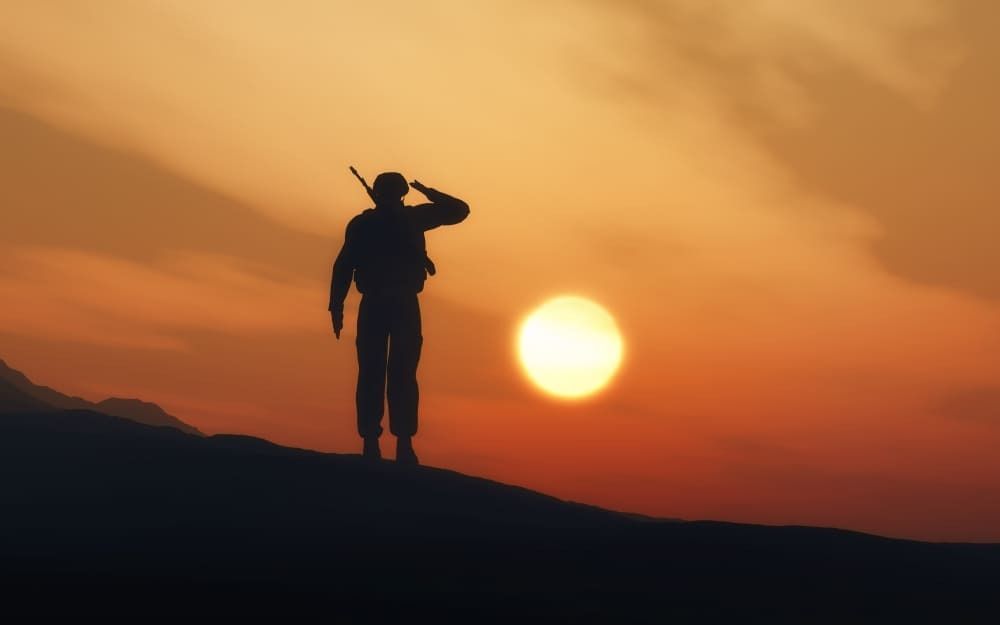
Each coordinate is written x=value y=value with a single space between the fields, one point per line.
x=389 y=342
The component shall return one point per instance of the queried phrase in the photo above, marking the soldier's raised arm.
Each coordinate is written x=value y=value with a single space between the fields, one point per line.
x=443 y=209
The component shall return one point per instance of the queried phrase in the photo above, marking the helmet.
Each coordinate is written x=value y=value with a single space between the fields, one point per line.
x=390 y=185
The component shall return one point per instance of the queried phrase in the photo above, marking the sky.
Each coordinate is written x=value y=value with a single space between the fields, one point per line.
x=788 y=206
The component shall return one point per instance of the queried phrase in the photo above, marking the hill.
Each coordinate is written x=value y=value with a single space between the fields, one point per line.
x=46 y=397
x=102 y=514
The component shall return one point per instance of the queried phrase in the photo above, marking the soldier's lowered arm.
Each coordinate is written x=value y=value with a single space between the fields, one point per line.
x=340 y=281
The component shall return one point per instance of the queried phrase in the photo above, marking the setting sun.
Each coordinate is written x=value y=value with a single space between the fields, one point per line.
x=570 y=347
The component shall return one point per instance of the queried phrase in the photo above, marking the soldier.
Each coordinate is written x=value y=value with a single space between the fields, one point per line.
x=385 y=253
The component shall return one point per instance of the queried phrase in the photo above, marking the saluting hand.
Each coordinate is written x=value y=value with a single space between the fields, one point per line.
x=419 y=186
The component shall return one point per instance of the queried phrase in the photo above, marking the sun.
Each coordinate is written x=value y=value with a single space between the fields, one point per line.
x=570 y=347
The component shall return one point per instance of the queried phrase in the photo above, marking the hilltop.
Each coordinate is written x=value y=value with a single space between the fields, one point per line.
x=103 y=514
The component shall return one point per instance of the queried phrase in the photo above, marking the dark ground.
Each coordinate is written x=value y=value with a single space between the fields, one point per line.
x=104 y=515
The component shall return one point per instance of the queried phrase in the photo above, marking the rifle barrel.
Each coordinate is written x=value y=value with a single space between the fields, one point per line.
x=364 y=183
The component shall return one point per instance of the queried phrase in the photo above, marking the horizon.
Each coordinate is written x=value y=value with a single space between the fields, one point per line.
x=787 y=211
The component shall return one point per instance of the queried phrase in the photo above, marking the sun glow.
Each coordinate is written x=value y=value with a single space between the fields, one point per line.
x=570 y=347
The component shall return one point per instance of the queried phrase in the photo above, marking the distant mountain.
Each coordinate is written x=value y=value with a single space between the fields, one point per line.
x=46 y=398
x=44 y=394
x=142 y=412
x=13 y=399
x=104 y=515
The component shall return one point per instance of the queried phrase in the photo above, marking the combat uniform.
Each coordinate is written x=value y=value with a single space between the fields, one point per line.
x=384 y=252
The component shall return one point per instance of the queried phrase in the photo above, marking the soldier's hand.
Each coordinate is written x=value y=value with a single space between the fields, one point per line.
x=338 y=322
x=419 y=186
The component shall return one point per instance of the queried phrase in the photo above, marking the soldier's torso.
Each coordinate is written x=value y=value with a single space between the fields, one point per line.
x=390 y=252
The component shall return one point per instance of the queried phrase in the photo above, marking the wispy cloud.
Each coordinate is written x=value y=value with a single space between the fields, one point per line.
x=905 y=45
x=74 y=295
x=978 y=405
x=881 y=109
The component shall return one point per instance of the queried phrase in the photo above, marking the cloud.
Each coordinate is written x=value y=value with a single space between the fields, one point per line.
x=980 y=405
x=109 y=247
x=902 y=45
x=76 y=295
x=884 y=108
x=60 y=189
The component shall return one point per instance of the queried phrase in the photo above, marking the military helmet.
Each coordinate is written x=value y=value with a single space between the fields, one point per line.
x=390 y=185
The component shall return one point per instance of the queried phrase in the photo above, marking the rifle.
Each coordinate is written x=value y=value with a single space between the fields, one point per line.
x=428 y=263
x=364 y=183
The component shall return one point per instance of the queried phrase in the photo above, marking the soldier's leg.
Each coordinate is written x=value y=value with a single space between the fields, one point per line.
x=405 y=342
x=373 y=336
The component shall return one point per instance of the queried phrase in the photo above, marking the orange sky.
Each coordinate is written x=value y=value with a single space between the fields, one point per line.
x=789 y=206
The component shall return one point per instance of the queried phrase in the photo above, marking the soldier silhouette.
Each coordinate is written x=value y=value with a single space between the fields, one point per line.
x=385 y=253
